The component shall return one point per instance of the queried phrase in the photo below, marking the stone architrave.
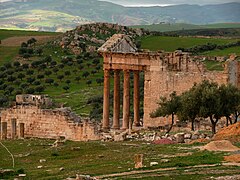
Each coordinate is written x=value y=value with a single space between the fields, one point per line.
x=126 y=100
x=106 y=103
x=138 y=159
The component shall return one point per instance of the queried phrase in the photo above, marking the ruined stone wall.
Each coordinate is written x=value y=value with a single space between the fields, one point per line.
x=44 y=123
x=159 y=81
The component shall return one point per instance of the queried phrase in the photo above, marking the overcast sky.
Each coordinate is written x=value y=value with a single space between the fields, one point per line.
x=168 y=2
x=163 y=2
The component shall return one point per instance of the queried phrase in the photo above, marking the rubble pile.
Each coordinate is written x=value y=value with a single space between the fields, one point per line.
x=231 y=133
x=89 y=37
x=155 y=137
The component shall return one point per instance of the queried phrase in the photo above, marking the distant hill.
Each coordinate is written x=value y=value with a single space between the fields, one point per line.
x=182 y=26
x=59 y=15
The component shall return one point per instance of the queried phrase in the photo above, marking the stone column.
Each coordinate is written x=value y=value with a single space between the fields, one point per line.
x=21 y=130
x=116 y=103
x=4 y=130
x=126 y=99
x=0 y=126
x=136 y=100
x=105 y=124
x=14 y=128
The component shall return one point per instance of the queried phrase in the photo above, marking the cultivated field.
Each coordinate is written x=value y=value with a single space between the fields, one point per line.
x=155 y=43
x=182 y=26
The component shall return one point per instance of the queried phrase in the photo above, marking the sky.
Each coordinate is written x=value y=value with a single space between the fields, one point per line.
x=163 y=2
x=167 y=2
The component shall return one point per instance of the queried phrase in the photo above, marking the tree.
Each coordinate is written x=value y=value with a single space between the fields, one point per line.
x=21 y=76
x=30 y=72
x=189 y=109
x=89 y=82
x=49 y=81
x=36 y=83
x=85 y=74
x=29 y=90
x=55 y=70
x=40 y=76
x=167 y=107
x=99 y=80
x=10 y=89
x=16 y=63
x=78 y=78
x=30 y=80
x=66 y=88
x=67 y=73
x=93 y=72
x=68 y=82
x=39 y=89
x=25 y=66
x=96 y=61
x=60 y=77
x=48 y=59
x=48 y=73
x=11 y=78
x=230 y=97
x=39 y=51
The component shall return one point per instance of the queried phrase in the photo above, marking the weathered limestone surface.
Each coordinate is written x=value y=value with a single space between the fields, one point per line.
x=164 y=72
x=32 y=121
x=162 y=82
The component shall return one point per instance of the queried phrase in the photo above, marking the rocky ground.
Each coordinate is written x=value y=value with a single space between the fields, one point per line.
x=89 y=37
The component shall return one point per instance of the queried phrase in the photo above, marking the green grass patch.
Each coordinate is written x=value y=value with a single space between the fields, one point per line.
x=155 y=43
x=7 y=54
x=224 y=52
x=12 y=33
x=213 y=65
x=184 y=26
x=94 y=158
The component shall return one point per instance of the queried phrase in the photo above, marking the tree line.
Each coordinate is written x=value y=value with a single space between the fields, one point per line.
x=208 y=47
x=205 y=100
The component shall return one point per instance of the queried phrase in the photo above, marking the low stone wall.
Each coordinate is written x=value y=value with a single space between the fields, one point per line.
x=31 y=121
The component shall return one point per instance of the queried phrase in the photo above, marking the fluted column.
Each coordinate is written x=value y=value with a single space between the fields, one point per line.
x=126 y=99
x=116 y=104
x=136 y=100
x=105 y=124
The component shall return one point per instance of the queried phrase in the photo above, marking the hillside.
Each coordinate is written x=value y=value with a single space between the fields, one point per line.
x=72 y=78
x=65 y=14
x=165 y=27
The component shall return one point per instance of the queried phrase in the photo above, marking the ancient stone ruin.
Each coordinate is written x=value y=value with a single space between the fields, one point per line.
x=164 y=72
x=27 y=119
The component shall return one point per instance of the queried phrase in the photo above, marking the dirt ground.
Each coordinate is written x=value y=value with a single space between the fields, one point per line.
x=223 y=145
x=17 y=41
x=231 y=133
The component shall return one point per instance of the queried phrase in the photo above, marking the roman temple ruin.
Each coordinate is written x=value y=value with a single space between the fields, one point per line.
x=164 y=72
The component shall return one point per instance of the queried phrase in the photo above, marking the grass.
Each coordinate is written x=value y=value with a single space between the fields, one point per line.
x=95 y=158
x=12 y=33
x=214 y=65
x=183 y=26
x=7 y=54
x=224 y=52
x=155 y=43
